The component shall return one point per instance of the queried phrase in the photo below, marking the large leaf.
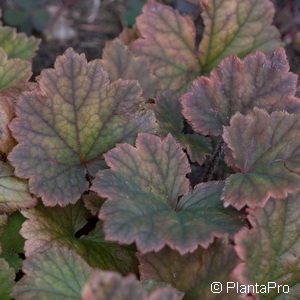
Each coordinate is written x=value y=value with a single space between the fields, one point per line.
x=14 y=192
x=120 y=63
x=64 y=129
x=56 y=274
x=12 y=71
x=111 y=285
x=265 y=150
x=7 y=276
x=271 y=249
x=192 y=273
x=58 y=226
x=237 y=86
x=17 y=45
x=236 y=27
x=12 y=242
x=168 y=114
x=144 y=186
x=168 y=42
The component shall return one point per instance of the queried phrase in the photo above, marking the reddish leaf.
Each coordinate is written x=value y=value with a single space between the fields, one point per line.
x=168 y=42
x=194 y=272
x=64 y=130
x=238 y=86
x=120 y=63
x=111 y=285
x=265 y=149
x=144 y=186
x=271 y=249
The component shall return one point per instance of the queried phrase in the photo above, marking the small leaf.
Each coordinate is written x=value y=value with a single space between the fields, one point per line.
x=14 y=16
x=92 y=202
x=7 y=276
x=144 y=186
x=265 y=150
x=64 y=129
x=3 y=220
x=56 y=274
x=128 y=35
x=40 y=18
x=168 y=42
x=17 y=45
x=271 y=249
x=57 y=226
x=111 y=285
x=120 y=63
x=168 y=114
x=12 y=242
x=14 y=192
x=194 y=272
x=12 y=71
x=238 y=86
x=236 y=27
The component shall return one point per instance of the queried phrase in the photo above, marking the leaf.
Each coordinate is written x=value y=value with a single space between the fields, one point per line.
x=238 y=86
x=168 y=42
x=270 y=250
x=64 y=129
x=111 y=285
x=128 y=35
x=8 y=99
x=12 y=242
x=17 y=45
x=144 y=186
x=12 y=71
x=92 y=202
x=168 y=114
x=265 y=150
x=56 y=274
x=57 y=226
x=236 y=27
x=7 y=276
x=194 y=272
x=14 y=192
x=120 y=63
x=3 y=220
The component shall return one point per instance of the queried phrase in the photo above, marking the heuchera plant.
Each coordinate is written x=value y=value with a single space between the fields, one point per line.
x=149 y=174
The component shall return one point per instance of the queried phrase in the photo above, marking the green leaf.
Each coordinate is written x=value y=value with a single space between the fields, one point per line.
x=144 y=186
x=168 y=114
x=120 y=63
x=17 y=45
x=270 y=250
x=111 y=285
x=14 y=17
x=168 y=42
x=7 y=276
x=194 y=272
x=14 y=192
x=57 y=226
x=238 y=86
x=40 y=18
x=12 y=242
x=12 y=71
x=236 y=27
x=265 y=150
x=56 y=274
x=64 y=130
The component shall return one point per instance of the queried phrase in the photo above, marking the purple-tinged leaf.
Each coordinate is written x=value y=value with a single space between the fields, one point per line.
x=64 y=129
x=111 y=285
x=118 y=62
x=238 y=86
x=265 y=150
x=194 y=272
x=270 y=251
x=150 y=201
x=168 y=42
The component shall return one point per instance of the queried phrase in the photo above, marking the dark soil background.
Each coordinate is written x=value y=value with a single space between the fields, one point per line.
x=86 y=25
